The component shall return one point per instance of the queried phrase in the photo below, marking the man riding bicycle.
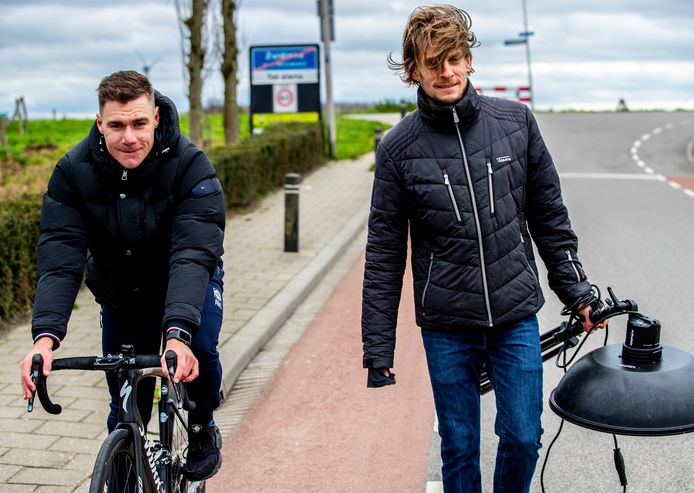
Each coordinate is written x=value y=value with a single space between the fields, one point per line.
x=141 y=206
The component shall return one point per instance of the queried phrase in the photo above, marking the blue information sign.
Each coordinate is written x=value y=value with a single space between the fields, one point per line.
x=284 y=64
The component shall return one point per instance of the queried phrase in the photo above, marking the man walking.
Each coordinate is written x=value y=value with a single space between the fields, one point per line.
x=471 y=179
x=145 y=203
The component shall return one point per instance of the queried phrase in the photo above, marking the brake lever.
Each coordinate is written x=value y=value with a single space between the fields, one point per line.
x=36 y=364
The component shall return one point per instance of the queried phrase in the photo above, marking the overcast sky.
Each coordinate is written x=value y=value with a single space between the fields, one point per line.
x=585 y=54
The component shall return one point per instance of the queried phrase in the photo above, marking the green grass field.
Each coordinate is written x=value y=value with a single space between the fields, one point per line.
x=26 y=166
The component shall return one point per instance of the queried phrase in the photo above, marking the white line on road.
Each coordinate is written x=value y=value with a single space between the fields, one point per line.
x=434 y=487
x=607 y=176
x=651 y=173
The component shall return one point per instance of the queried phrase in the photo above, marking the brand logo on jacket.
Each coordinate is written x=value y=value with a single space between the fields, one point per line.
x=503 y=159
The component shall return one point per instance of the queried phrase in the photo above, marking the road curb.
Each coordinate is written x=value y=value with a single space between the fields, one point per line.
x=238 y=351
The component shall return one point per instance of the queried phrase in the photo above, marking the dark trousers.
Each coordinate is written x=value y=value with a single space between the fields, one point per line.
x=140 y=324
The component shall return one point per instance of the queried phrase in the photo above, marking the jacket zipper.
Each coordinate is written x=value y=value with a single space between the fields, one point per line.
x=571 y=261
x=490 y=180
x=475 y=213
x=426 y=285
x=447 y=182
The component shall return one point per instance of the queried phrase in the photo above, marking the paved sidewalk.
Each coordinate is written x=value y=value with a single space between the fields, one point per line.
x=41 y=453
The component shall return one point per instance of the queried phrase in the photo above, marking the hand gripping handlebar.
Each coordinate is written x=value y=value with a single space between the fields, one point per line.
x=567 y=335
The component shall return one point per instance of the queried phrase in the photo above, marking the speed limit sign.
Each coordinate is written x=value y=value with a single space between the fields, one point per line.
x=284 y=98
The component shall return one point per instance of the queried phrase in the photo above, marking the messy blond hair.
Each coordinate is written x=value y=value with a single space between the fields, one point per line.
x=444 y=28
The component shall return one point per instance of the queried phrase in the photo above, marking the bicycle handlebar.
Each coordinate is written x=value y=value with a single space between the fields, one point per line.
x=105 y=363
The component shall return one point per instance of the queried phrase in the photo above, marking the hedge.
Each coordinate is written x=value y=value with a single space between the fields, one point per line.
x=256 y=166
x=19 y=234
x=247 y=171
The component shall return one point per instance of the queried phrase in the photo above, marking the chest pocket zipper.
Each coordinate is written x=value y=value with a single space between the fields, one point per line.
x=447 y=182
x=490 y=181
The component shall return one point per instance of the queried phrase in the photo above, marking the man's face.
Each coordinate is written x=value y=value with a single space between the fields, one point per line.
x=444 y=85
x=128 y=129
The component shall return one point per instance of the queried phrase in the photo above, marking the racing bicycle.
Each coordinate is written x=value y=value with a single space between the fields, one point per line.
x=129 y=461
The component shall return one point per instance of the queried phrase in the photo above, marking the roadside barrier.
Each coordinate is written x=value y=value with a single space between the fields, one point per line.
x=521 y=93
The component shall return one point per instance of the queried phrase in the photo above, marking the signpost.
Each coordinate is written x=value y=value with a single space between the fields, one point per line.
x=285 y=84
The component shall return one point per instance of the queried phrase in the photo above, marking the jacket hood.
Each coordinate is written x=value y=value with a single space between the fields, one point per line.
x=440 y=117
x=166 y=136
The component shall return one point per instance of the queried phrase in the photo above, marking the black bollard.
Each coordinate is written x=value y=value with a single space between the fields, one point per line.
x=403 y=109
x=378 y=135
x=291 y=212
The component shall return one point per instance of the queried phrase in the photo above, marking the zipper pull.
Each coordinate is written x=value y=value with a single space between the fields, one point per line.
x=445 y=179
x=489 y=168
x=455 y=115
x=124 y=176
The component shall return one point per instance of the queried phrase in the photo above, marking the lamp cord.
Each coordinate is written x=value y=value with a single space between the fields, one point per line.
x=619 y=464
x=618 y=458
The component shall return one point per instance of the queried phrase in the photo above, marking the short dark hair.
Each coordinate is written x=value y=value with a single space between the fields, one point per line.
x=124 y=86
x=442 y=27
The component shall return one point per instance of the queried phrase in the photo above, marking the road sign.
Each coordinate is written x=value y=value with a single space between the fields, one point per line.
x=284 y=80
x=278 y=65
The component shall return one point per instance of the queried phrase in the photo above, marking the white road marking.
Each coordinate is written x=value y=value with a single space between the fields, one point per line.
x=647 y=169
x=434 y=487
x=606 y=176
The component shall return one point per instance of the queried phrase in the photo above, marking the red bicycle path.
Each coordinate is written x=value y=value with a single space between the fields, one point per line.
x=317 y=428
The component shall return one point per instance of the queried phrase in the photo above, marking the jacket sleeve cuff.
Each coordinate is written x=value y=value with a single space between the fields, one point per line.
x=177 y=323
x=377 y=362
x=50 y=333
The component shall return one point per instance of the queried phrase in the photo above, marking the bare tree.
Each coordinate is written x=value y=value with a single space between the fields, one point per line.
x=193 y=22
x=229 y=69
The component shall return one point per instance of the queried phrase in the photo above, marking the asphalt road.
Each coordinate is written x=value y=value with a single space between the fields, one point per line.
x=634 y=223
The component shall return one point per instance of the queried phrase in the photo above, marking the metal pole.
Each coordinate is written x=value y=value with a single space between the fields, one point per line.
x=291 y=212
x=527 y=56
x=325 y=35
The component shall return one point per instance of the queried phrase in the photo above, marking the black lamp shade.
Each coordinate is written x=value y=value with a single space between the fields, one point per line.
x=602 y=392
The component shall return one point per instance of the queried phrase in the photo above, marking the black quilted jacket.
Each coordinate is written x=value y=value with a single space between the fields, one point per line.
x=154 y=232
x=474 y=183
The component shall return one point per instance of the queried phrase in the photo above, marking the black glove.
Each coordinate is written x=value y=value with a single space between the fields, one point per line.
x=376 y=378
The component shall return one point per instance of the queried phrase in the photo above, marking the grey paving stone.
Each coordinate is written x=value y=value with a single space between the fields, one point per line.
x=35 y=458
x=48 y=476
x=33 y=441
x=83 y=462
x=74 y=430
x=78 y=445
x=19 y=425
x=7 y=471
x=19 y=488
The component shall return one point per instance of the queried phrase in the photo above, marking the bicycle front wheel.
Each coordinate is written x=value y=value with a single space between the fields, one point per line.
x=114 y=469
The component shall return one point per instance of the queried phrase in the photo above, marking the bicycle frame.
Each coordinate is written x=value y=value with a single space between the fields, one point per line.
x=129 y=418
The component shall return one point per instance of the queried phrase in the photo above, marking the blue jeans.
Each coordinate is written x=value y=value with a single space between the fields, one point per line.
x=514 y=362
x=140 y=323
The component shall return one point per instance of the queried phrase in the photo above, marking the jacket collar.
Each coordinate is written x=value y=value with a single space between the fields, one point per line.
x=441 y=117
x=166 y=136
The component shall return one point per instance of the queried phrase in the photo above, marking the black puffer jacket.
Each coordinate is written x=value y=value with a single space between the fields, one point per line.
x=474 y=182
x=154 y=232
